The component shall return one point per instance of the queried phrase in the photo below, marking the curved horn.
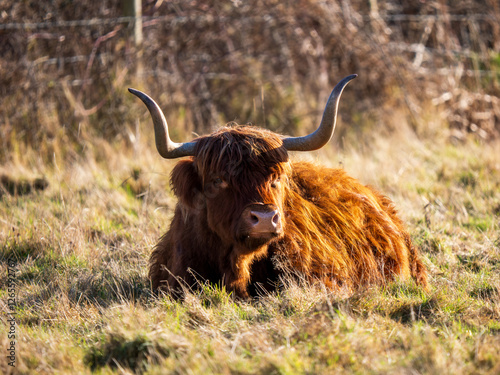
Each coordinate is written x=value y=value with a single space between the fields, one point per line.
x=164 y=145
x=323 y=134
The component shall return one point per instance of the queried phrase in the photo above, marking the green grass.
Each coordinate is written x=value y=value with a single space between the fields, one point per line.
x=84 y=302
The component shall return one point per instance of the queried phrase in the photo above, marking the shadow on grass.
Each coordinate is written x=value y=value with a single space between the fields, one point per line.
x=486 y=292
x=134 y=351
x=17 y=187
x=44 y=277
x=20 y=250
x=100 y=291
x=106 y=288
x=415 y=311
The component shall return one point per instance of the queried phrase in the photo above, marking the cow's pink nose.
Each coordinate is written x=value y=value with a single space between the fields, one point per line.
x=264 y=221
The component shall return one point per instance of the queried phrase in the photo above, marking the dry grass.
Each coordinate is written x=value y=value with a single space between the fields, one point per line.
x=84 y=197
x=84 y=302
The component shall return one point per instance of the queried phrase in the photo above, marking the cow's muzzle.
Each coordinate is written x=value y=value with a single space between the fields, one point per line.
x=259 y=224
x=262 y=219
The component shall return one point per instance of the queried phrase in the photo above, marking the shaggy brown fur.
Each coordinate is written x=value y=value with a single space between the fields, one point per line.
x=335 y=230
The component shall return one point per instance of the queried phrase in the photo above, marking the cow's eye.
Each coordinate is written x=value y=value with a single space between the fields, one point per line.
x=276 y=182
x=219 y=182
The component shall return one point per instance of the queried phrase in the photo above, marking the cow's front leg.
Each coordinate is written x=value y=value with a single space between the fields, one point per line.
x=238 y=275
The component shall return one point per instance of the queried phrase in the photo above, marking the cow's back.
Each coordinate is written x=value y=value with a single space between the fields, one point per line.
x=344 y=233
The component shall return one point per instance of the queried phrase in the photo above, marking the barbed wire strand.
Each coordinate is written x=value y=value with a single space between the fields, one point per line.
x=182 y=19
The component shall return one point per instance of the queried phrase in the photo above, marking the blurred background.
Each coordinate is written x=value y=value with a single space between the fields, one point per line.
x=429 y=66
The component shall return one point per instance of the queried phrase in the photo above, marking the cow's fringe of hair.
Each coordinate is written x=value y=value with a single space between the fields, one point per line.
x=232 y=148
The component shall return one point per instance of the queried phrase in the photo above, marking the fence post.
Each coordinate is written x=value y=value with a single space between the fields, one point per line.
x=133 y=8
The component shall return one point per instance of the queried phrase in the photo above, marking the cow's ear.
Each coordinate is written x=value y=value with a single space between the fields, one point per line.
x=186 y=183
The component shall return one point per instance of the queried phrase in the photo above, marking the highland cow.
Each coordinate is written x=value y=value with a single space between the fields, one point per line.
x=247 y=215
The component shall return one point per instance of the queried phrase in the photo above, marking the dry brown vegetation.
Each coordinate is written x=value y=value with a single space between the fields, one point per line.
x=270 y=63
x=84 y=196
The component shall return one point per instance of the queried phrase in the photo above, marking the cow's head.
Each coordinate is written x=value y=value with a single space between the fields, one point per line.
x=237 y=177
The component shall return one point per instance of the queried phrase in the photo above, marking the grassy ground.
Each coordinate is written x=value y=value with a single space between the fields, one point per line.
x=79 y=217
x=83 y=302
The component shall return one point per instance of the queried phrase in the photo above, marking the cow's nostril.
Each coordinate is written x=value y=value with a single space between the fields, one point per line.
x=254 y=219
x=276 y=218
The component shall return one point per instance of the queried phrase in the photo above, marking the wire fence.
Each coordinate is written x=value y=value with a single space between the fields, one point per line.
x=419 y=49
x=198 y=18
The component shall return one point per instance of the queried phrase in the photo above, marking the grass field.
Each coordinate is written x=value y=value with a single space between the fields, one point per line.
x=78 y=244
x=84 y=197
